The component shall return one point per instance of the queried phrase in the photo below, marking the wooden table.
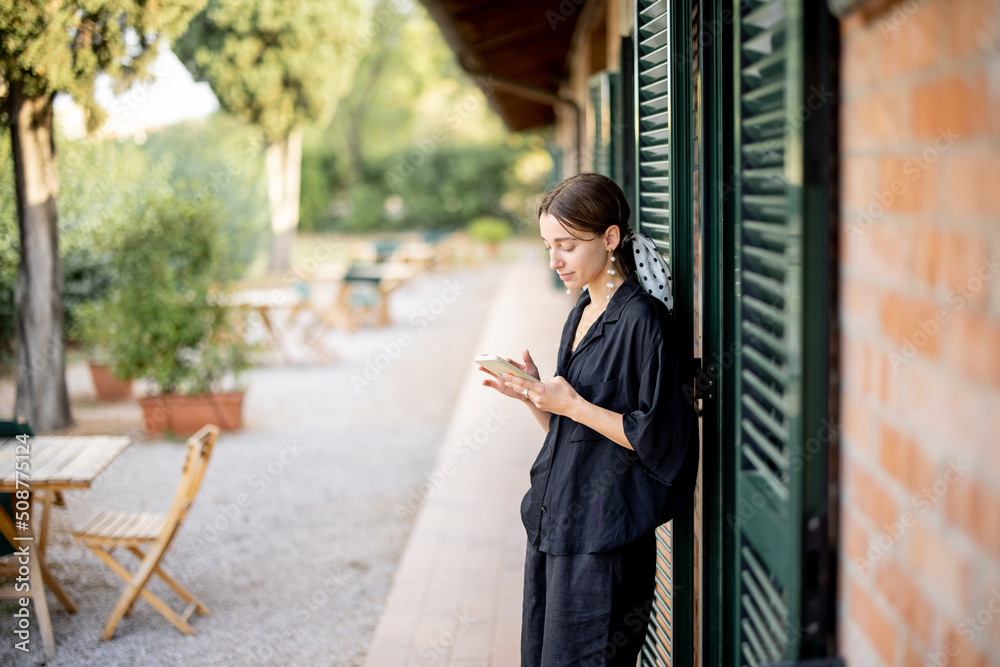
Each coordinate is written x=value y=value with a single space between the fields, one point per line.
x=267 y=303
x=381 y=280
x=32 y=464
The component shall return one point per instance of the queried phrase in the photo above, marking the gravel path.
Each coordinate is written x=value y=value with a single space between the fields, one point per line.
x=294 y=538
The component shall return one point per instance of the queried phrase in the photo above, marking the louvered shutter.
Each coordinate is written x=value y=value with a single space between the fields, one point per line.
x=653 y=217
x=779 y=517
x=653 y=119
x=663 y=211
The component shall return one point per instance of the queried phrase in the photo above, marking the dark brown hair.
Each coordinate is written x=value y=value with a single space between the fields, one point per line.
x=589 y=204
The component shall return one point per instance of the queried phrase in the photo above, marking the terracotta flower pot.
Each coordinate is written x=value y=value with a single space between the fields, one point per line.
x=183 y=415
x=107 y=386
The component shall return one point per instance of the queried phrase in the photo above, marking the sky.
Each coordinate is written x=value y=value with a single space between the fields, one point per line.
x=173 y=96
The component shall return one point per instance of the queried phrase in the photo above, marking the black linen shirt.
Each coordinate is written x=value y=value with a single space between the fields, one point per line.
x=589 y=494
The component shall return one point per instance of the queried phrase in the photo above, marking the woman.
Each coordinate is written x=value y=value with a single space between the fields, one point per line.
x=620 y=454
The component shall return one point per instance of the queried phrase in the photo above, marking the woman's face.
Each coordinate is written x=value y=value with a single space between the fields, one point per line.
x=578 y=261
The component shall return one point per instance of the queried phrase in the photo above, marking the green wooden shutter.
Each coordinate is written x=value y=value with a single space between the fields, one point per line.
x=782 y=360
x=652 y=84
x=663 y=199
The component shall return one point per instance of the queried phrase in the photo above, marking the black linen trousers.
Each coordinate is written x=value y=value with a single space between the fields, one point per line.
x=587 y=609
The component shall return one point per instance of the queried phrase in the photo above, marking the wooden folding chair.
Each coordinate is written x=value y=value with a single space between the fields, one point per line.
x=132 y=530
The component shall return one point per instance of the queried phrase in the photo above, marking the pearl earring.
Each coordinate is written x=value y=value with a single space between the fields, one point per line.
x=610 y=273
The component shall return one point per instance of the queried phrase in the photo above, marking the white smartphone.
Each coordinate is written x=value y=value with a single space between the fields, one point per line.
x=499 y=365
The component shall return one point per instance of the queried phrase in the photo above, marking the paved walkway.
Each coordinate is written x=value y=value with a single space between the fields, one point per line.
x=456 y=597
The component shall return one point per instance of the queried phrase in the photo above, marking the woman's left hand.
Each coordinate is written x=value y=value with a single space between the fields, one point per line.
x=555 y=395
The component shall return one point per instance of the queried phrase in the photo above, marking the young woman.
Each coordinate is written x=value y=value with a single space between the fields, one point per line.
x=620 y=454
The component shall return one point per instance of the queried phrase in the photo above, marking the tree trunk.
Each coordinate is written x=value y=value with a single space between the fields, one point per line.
x=283 y=159
x=41 y=357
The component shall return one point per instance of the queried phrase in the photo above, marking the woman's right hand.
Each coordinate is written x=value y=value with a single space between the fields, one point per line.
x=498 y=382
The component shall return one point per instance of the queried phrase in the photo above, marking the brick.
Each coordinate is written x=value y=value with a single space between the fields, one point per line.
x=858 y=174
x=905 y=460
x=991 y=458
x=883 y=252
x=966 y=271
x=956 y=104
x=959 y=650
x=873 y=622
x=859 y=307
x=859 y=61
x=990 y=600
x=971 y=179
x=906 y=598
x=990 y=269
x=856 y=647
x=909 y=184
x=853 y=359
x=854 y=545
x=993 y=75
x=876 y=120
x=890 y=116
x=860 y=428
x=974 y=508
x=972 y=27
x=926 y=261
x=932 y=561
x=973 y=347
x=870 y=496
x=915 y=655
x=908 y=325
x=855 y=134
x=889 y=387
x=943 y=412
x=912 y=38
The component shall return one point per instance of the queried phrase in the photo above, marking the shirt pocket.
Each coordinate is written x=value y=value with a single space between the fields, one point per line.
x=602 y=394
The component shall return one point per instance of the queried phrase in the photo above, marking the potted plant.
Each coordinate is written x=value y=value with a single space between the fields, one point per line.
x=166 y=319
x=491 y=231
x=91 y=330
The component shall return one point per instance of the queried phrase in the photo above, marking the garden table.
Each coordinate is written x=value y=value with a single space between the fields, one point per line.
x=267 y=303
x=46 y=463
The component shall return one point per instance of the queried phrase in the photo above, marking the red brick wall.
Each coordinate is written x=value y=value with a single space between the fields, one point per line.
x=920 y=279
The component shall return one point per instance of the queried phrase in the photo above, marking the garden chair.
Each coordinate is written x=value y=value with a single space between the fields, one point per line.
x=132 y=530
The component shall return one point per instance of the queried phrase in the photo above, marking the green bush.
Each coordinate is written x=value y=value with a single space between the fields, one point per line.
x=438 y=188
x=220 y=159
x=164 y=317
x=321 y=180
x=489 y=229
x=104 y=184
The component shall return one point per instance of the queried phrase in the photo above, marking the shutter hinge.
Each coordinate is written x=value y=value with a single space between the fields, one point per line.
x=816 y=578
x=704 y=384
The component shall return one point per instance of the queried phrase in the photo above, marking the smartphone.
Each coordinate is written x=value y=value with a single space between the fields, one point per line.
x=499 y=365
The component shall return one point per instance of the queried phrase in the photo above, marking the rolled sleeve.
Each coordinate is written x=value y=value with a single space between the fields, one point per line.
x=659 y=430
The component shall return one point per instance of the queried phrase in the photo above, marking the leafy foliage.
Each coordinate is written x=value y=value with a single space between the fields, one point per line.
x=219 y=159
x=273 y=64
x=48 y=47
x=164 y=318
x=413 y=143
x=489 y=229
x=217 y=162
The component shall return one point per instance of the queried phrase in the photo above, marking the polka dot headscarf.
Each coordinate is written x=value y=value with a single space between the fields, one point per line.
x=654 y=274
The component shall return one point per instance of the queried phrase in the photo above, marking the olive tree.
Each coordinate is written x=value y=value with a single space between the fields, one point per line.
x=45 y=48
